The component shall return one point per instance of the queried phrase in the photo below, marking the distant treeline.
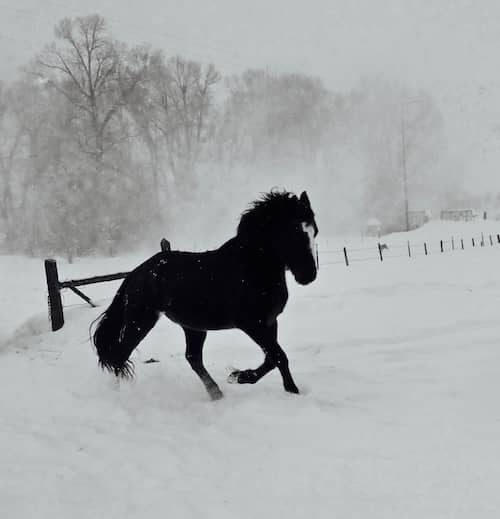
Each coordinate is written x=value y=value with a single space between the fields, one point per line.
x=100 y=142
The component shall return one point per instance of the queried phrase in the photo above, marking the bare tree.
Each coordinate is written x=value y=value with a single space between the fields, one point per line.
x=10 y=143
x=88 y=69
x=399 y=135
x=182 y=94
x=269 y=116
x=142 y=107
x=94 y=76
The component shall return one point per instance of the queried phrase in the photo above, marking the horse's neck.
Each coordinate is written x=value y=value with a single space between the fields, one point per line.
x=256 y=252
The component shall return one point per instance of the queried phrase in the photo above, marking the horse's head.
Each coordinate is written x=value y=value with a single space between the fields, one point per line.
x=295 y=241
x=285 y=224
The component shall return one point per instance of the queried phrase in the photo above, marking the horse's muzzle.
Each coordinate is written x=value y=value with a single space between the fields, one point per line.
x=304 y=278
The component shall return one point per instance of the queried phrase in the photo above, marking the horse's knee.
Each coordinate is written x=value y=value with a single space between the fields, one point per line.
x=280 y=359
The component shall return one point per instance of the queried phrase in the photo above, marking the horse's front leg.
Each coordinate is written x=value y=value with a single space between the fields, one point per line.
x=251 y=376
x=266 y=336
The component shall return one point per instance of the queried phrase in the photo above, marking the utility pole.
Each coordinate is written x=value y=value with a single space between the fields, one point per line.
x=405 y=176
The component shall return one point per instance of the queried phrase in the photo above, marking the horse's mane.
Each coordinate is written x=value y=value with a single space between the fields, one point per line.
x=272 y=207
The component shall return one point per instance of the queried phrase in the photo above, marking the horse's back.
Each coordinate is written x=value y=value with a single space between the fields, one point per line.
x=197 y=288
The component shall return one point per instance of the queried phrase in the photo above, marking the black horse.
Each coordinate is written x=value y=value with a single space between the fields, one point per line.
x=239 y=285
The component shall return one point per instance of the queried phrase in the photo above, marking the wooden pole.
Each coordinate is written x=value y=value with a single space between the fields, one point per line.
x=83 y=296
x=165 y=245
x=441 y=242
x=409 y=250
x=89 y=281
x=380 y=252
x=405 y=176
x=425 y=248
x=345 y=257
x=462 y=242
x=55 y=304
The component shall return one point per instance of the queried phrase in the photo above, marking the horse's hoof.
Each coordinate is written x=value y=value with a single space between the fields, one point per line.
x=247 y=376
x=216 y=394
x=234 y=376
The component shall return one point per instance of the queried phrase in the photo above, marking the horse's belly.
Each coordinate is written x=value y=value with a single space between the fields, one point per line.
x=199 y=316
x=200 y=323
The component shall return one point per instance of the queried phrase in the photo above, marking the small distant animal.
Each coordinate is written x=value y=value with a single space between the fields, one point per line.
x=151 y=361
x=240 y=285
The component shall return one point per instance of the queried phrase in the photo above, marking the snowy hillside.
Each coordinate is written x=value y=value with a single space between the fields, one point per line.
x=398 y=364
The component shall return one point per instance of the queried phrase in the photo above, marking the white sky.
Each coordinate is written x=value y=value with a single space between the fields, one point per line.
x=449 y=47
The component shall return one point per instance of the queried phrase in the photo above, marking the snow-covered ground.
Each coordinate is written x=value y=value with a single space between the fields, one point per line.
x=399 y=367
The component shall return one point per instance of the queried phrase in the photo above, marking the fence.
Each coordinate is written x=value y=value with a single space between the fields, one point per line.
x=382 y=251
x=378 y=252
x=54 y=286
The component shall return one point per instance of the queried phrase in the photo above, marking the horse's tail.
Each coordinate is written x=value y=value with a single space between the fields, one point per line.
x=121 y=327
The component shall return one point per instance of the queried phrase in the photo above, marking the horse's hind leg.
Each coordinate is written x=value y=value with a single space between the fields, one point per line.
x=194 y=355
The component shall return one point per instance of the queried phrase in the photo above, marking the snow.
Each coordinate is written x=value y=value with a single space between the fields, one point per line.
x=398 y=365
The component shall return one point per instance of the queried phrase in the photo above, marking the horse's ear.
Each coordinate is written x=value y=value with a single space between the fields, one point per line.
x=305 y=199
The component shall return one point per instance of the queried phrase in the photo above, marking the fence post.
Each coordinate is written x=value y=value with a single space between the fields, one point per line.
x=473 y=244
x=55 y=303
x=441 y=242
x=409 y=250
x=345 y=257
x=380 y=252
x=425 y=248
x=482 y=240
x=498 y=238
x=165 y=245
x=452 y=243
x=462 y=242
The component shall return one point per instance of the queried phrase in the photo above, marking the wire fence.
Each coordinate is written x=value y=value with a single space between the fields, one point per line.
x=383 y=251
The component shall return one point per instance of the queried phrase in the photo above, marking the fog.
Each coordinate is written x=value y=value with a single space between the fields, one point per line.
x=343 y=99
